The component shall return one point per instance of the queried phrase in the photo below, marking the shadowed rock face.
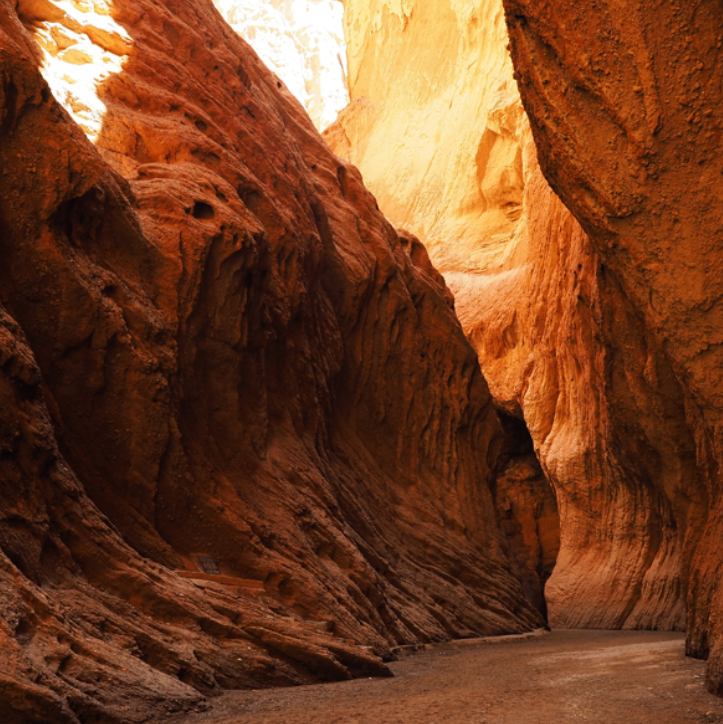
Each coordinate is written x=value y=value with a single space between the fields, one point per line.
x=560 y=342
x=437 y=129
x=625 y=105
x=527 y=509
x=212 y=343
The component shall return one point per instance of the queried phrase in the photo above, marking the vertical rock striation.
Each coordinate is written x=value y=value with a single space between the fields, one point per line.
x=215 y=351
x=625 y=104
x=562 y=340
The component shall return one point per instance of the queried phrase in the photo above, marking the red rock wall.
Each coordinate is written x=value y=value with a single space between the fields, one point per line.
x=213 y=343
x=527 y=508
x=559 y=341
x=563 y=347
x=625 y=105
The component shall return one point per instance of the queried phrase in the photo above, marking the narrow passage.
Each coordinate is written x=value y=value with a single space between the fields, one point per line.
x=606 y=677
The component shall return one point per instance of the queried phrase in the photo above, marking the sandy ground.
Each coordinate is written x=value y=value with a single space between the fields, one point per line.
x=610 y=677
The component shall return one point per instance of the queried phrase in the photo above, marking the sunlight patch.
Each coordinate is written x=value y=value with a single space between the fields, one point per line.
x=82 y=47
x=302 y=41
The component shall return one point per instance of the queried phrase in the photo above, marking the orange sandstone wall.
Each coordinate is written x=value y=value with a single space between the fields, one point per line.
x=625 y=104
x=435 y=123
x=212 y=342
x=559 y=341
x=560 y=338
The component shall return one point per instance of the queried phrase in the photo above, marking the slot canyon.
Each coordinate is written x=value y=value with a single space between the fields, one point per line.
x=333 y=334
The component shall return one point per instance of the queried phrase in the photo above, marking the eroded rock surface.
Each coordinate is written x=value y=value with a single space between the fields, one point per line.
x=560 y=337
x=437 y=129
x=562 y=345
x=216 y=354
x=625 y=104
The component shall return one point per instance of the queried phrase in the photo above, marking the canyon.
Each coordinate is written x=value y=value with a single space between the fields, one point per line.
x=261 y=426
x=559 y=340
x=245 y=440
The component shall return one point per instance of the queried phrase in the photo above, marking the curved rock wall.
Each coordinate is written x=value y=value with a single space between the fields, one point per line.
x=561 y=340
x=625 y=106
x=216 y=356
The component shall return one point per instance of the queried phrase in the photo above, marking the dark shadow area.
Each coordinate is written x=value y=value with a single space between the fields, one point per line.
x=527 y=510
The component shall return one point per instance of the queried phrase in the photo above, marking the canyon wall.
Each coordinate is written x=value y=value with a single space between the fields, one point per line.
x=625 y=104
x=435 y=123
x=244 y=440
x=560 y=343
x=563 y=342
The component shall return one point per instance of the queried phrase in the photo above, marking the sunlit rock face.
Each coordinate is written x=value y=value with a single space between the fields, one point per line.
x=435 y=124
x=82 y=47
x=561 y=344
x=217 y=355
x=437 y=128
x=625 y=103
x=302 y=41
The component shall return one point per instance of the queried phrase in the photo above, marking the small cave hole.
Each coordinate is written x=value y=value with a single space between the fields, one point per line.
x=19 y=563
x=202 y=210
x=185 y=676
x=201 y=125
x=24 y=631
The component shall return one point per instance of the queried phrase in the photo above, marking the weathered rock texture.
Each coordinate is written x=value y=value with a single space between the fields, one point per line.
x=561 y=344
x=625 y=103
x=435 y=123
x=437 y=128
x=562 y=340
x=212 y=343
x=303 y=42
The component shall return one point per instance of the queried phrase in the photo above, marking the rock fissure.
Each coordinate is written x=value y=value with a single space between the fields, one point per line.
x=567 y=307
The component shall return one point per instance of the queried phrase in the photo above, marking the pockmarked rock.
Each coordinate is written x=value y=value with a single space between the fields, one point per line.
x=244 y=441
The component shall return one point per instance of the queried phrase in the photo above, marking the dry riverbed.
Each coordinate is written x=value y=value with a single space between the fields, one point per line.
x=606 y=677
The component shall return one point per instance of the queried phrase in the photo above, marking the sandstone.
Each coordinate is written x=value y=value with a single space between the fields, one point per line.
x=561 y=345
x=435 y=123
x=559 y=337
x=611 y=95
x=213 y=344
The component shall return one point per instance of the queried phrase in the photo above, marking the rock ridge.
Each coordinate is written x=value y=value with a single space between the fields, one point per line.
x=216 y=351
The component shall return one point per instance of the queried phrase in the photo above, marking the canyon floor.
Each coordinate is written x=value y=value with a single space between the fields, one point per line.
x=567 y=676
